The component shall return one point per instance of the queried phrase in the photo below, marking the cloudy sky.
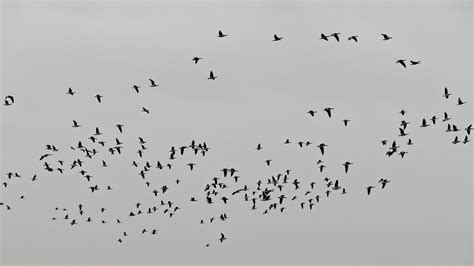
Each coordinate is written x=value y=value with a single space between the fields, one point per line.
x=261 y=95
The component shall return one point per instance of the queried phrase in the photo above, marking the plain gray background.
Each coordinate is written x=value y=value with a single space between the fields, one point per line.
x=261 y=95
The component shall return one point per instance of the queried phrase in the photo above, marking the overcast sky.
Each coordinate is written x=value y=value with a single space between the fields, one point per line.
x=261 y=95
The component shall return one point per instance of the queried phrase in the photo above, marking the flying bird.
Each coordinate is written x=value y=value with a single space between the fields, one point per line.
x=401 y=62
x=446 y=93
x=196 y=59
x=152 y=83
x=211 y=76
x=70 y=92
x=221 y=35
x=386 y=37
x=336 y=35
x=99 y=98
x=353 y=38
x=324 y=37
x=276 y=38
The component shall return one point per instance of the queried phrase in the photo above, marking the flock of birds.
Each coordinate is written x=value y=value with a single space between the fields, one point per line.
x=271 y=194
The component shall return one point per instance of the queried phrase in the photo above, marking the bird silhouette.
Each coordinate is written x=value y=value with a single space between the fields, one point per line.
x=386 y=37
x=336 y=36
x=196 y=59
x=324 y=37
x=221 y=35
x=276 y=38
x=152 y=83
x=353 y=38
x=401 y=62
x=211 y=76
x=99 y=98
x=70 y=92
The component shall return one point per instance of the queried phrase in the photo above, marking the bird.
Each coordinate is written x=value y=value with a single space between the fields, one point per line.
x=145 y=110
x=99 y=98
x=402 y=132
x=222 y=238
x=211 y=76
x=414 y=62
x=152 y=83
x=346 y=166
x=324 y=37
x=311 y=112
x=196 y=59
x=386 y=37
x=321 y=148
x=276 y=38
x=70 y=92
x=136 y=88
x=221 y=35
x=369 y=188
x=336 y=35
x=259 y=147
x=401 y=62
x=460 y=102
x=328 y=110
x=346 y=121
x=446 y=93
x=268 y=162
x=9 y=100
x=403 y=112
x=446 y=117
x=353 y=38
x=423 y=123
x=120 y=127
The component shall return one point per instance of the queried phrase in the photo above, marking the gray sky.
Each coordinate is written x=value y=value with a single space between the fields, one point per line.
x=261 y=95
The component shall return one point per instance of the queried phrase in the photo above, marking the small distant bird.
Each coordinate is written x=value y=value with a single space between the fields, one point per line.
x=324 y=37
x=328 y=110
x=466 y=140
x=468 y=129
x=336 y=36
x=221 y=35
x=145 y=110
x=311 y=112
x=346 y=121
x=9 y=100
x=196 y=59
x=402 y=62
x=276 y=38
x=414 y=62
x=403 y=112
x=369 y=188
x=446 y=93
x=222 y=237
x=70 y=92
x=460 y=102
x=402 y=132
x=346 y=166
x=211 y=76
x=120 y=127
x=268 y=162
x=353 y=38
x=99 y=98
x=152 y=83
x=423 y=123
x=75 y=124
x=321 y=148
x=386 y=37
x=259 y=147
x=136 y=88
x=446 y=117
x=456 y=140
